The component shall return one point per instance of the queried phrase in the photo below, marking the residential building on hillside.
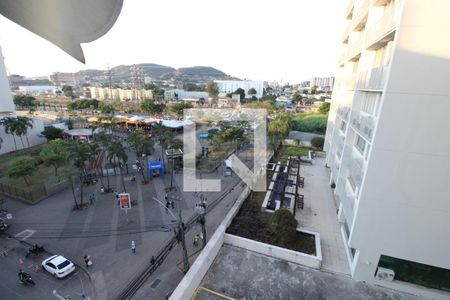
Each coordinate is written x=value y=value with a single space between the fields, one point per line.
x=61 y=79
x=230 y=86
x=105 y=93
x=387 y=144
x=323 y=83
x=179 y=94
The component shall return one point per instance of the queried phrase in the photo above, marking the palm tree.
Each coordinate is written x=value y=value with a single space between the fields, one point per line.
x=117 y=153
x=10 y=127
x=1 y=142
x=142 y=145
x=80 y=153
x=25 y=124
x=104 y=140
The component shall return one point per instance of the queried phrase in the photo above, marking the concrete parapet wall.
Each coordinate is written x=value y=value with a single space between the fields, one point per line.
x=312 y=261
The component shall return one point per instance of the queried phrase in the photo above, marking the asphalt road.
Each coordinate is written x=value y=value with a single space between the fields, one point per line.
x=74 y=285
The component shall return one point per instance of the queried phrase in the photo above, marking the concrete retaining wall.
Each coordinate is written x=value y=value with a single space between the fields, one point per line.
x=198 y=270
x=312 y=261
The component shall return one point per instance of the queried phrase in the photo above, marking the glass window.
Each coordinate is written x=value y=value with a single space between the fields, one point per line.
x=63 y=264
x=360 y=144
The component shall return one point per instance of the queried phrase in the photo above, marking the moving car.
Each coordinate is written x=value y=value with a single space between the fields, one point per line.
x=58 y=266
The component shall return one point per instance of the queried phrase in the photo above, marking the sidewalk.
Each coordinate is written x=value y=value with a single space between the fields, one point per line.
x=319 y=214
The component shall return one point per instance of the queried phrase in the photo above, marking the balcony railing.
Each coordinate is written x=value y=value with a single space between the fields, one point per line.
x=346 y=200
x=364 y=124
x=383 y=26
x=345 y=83
x=356 y=169
x=343 y=112
x=360 y=13
x=372 y=79
x=346 y=31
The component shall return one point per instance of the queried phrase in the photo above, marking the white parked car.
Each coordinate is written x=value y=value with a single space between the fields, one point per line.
x=58 y=265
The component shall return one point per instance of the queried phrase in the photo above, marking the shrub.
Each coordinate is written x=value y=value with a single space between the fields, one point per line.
x=284 y=225
x=317 y=142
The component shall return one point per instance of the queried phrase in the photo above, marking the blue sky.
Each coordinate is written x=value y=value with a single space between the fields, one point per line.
x=283 y=40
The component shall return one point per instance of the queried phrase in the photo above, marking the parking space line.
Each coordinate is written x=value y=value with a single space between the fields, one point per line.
x=23 y=235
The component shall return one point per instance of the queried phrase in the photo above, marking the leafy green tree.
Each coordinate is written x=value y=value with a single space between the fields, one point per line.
x=212 y=89
x=10 y=126
x=70 y=175
x=22 y=167
x=142 y=145
x=284 y=225
x=241 y=92
x=149 y=106
x=24 y=101
x=278 y=130
x=252 y=92
x=193 y=87
x=68 y=91
x=296 y=97
x=55 y=154
x=178 y=108
x=69 y=123
x=117 y=153
x=324 y=108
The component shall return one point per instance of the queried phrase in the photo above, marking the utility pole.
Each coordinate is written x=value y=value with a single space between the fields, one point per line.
x=182 y=239
x=200 y=209
x=180 y=233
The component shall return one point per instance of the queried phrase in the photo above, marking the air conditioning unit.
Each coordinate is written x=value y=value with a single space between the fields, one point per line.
x=385 y=274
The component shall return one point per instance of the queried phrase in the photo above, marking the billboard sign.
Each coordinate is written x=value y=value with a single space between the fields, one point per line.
x=125 y=201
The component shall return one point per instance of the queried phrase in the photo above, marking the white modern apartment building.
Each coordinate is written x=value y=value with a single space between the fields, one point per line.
x=105 y=93
x=388 y=144
x=230 y=86
x=324 y=83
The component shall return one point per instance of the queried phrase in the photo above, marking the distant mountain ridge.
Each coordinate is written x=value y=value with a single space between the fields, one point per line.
x=122 y=73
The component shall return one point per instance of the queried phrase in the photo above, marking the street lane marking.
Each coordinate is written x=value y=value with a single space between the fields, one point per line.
x=23 y=235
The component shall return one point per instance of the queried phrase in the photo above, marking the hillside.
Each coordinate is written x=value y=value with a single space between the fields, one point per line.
x=122 y=74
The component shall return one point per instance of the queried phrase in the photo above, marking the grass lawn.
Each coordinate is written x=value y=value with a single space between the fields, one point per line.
x=215 y=156
x=310 y=122
x=287 y=151
x=37 y=179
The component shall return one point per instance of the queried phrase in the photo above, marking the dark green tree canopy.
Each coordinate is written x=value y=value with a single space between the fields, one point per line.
x=284 y=225
x=52 y=133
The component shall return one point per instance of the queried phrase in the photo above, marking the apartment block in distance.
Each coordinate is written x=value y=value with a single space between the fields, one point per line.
x=388 y=144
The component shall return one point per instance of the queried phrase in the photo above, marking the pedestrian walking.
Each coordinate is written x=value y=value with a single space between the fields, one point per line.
x=91 y=199
x=87 y=260
x=196 y=239
x=133 y=247
x=5 y=251
x=117 y=198
x=172 y=204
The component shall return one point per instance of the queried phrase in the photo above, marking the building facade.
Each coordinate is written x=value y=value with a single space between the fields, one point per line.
x=387 y=144
x=179 y=94
x=105 y=93
x=60 y=79
x=230 y=86
x=323 y=83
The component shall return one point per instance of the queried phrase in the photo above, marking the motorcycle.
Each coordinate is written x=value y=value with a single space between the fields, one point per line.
x=25 y=278
x=36 y=250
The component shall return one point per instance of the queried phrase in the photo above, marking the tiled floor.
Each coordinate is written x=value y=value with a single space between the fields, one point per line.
x=320 y=214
